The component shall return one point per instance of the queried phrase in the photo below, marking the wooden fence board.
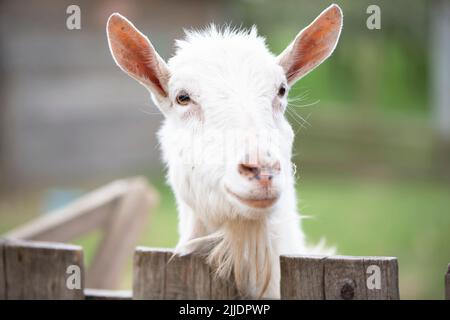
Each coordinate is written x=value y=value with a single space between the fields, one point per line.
x=187 y=277
x=308 y=274
x=222 y=289
x=37 y=270
x=447 y=284
x=149 y=273
x=2 y=273
x=389 y=289
x=344 y=279
x=158 y=274
x=339 y=278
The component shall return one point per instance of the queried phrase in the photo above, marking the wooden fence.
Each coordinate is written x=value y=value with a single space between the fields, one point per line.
x=120 y=210
x=43 y=270
x=33 y=269
x=447 y=283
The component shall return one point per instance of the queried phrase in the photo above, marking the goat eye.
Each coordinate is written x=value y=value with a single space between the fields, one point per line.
x=183 y=98
x=282 y=91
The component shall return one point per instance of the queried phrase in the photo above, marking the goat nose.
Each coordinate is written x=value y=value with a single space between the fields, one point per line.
x=260 y=172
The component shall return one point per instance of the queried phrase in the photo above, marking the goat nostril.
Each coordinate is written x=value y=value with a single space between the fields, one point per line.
x=249 y=170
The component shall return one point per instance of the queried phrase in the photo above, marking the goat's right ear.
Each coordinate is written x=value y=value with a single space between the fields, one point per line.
x=313 y=45
x=134 y=54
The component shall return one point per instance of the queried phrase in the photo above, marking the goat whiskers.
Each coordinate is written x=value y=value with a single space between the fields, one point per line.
x=299 y=119
x=150 y=113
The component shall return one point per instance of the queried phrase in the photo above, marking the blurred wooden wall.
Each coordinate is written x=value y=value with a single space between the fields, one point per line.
x=68 y=113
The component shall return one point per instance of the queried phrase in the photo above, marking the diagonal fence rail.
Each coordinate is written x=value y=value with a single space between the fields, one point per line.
x=119 y=209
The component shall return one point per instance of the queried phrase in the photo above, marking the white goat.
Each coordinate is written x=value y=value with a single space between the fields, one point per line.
x=226 y=141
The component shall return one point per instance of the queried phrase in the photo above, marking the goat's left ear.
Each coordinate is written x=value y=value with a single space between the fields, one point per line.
x=135 y=55
x=312 y=45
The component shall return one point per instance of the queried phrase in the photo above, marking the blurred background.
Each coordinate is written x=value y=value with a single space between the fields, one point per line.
x=372 y=123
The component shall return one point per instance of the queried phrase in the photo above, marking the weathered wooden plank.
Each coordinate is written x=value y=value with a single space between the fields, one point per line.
x=100 y=294
x=176 y=285
x=38 y=270
x=149 y=273
x=2 y=273
x=222 y=289
x=387 y=287
x=339 y=278
x=447 y=283
x=198 y=277
x=187 y=277
x=344 y=278
x=158 y=274
x=302 y=277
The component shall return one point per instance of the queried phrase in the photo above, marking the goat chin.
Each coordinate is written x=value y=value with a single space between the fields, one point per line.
x=241 y=249
x=248 y=250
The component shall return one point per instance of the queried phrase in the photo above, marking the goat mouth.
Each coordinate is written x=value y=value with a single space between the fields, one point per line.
x=259 y=203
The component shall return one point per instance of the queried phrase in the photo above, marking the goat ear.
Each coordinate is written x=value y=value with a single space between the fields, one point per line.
x=134 y=54
x=312 y=45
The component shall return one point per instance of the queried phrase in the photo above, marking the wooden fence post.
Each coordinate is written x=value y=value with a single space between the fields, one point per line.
x=40 y=270
x=2 y=272
x=339 y=278
x=447 y=283
x=160 y=275
x=302 y=278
